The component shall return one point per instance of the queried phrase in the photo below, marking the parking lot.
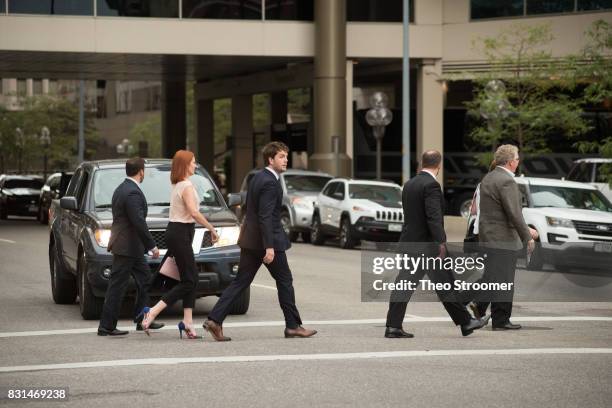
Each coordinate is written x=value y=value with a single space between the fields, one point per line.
x=561 y=357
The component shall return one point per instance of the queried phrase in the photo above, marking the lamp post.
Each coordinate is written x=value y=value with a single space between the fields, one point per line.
x=379 y=116
x=45 y=141
x=19 y=142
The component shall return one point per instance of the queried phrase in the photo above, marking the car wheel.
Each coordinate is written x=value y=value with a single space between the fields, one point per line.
x=316 y=235
x=463 y=204
x=536 y=262
x=347 y=241
x=286 y=224
x=90 y=305
x=241 y=305
x=306 y=236
x=63 y=285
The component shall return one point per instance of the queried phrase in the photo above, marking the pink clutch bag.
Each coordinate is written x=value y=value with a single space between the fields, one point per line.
x=170 y=269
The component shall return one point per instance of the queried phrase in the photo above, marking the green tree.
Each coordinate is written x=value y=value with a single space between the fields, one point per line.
x=148 y=131
x=536 y=102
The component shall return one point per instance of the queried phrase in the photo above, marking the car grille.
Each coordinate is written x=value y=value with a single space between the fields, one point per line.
x=593 y=228
x=159 y=236
x=397 y=216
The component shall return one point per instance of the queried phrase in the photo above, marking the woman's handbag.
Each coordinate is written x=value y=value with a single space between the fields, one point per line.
x=170 y=269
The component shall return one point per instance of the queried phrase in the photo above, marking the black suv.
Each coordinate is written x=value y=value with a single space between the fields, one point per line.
x=19 y=195
x=80 y=229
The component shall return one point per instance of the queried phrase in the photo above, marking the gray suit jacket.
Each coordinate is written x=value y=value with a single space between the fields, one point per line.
x=501 y=216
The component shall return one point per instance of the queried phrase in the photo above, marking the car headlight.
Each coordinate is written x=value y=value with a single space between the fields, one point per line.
x=227 y=236
x=360 y=209
x=301 y=202
x=102 y=237
x=559 y=222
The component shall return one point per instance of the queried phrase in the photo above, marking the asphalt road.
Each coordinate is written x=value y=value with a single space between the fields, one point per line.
x=561 y=358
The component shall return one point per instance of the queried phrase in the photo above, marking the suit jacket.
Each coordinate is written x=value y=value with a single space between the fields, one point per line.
x=501 y=216
x=261 y=226
x=423 y=205
x=130 y=234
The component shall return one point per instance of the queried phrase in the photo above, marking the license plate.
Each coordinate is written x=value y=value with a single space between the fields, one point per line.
x=603 y=247
x=33 y=208
x=395 y=227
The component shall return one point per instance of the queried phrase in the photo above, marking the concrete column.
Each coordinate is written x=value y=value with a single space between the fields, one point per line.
x=45 y=86
x=330 y=88
x=205 y=135
x=349 y=110
x=29 y=87
x=174 y=124
x=430 y=110
x=242 y=139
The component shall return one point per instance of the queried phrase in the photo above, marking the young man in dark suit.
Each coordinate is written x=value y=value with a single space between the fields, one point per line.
x=263 y=240
x=130 y=240
x=423 y=204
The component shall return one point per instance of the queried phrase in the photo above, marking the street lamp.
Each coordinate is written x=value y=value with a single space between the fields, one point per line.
x=19 y=142
x=379 y=116
x=45 y=141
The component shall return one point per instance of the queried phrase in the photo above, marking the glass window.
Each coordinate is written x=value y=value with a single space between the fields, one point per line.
x=2 y=7
x=549 y=6
x=379 y=194
x=329 y=190
x=581 y=172
x=37 y=86
x=602 y=170
x=302 y=10
x=305 y=183
x=563 y=197
x=338 y=192
x=594 y=4
x=21 y=87
x=234 y=10
x=375 y=10
x=24 y=183
x=61 y=7
x=138 y=8
x=497 y=8
x=156 y=187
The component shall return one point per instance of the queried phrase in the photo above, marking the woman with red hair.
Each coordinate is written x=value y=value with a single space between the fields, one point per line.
x=184 y=213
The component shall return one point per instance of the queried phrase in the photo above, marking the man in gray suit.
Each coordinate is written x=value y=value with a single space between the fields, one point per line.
x=502 y=233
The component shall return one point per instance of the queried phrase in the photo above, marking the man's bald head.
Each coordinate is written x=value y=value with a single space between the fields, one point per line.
x=431 y=159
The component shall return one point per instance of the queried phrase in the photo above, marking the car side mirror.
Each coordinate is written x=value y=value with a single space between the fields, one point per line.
x=69 y=203
x=234 y=199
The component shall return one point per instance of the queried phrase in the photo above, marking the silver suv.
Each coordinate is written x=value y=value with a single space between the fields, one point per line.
x=300 y=190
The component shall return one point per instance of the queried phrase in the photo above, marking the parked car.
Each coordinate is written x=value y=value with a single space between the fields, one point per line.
x=54 y=188
x=590 y=171
x=19 y=195
x=574 y=221
x=300 y=189
x=80 y=231
x=353 y=210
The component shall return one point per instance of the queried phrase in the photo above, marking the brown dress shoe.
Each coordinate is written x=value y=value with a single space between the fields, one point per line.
x=215 y=330
x=299 y=332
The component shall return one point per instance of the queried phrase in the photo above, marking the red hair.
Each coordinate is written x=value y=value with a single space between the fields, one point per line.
x=180 y=166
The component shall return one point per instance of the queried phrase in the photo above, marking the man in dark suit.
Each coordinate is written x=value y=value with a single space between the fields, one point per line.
x=423 y=203
x=263 y=240
x=502 y=233
x=130 y=239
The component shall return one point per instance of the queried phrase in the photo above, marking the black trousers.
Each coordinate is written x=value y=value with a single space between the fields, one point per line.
x=179 y=237
x=400 y=298
x=250 y=261
x=123 y=268
x=500 y=267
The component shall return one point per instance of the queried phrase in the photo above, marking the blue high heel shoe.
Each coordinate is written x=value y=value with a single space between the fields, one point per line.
x=188 y=332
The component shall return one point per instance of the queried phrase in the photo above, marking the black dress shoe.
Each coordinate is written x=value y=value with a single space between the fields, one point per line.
x=507 y=326
x=474 y=324
x=105 y=332
x=152 y=326
x=395 y=333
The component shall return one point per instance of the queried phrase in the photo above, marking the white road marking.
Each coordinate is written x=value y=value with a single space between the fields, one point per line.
x=8 y=241
x=281 y=323
x=302 y=357
x=257 y=285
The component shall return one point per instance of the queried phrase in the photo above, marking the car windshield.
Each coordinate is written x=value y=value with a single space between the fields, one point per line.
x=20 y=183
x=383 y=194
x=565 y=197
x=305 y=183
x=156 y=187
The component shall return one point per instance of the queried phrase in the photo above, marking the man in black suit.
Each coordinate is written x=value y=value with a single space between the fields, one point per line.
x=130 y=239
x=423 y=204
x=263 y=240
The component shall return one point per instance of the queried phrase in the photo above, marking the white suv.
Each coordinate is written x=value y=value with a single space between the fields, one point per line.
x=357 y=209
x=574 y=221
